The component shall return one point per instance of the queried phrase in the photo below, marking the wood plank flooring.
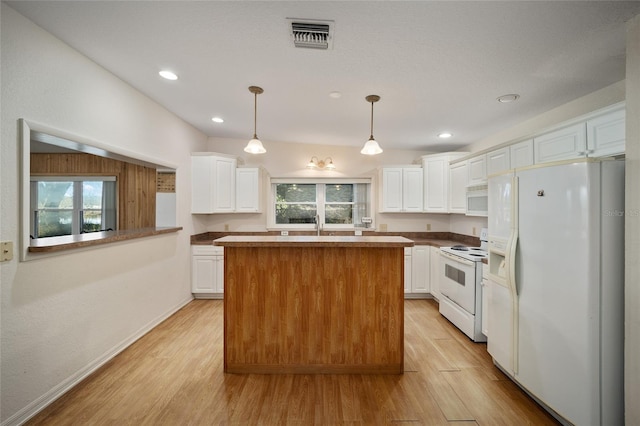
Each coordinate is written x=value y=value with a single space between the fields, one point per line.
x=173 y=376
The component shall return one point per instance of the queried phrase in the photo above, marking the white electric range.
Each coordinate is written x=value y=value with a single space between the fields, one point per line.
x=461 y=287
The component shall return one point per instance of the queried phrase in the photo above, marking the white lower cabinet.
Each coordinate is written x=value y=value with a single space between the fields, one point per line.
x=207 y=271
x=416 y=267
x=407 y=270
x=434 y=272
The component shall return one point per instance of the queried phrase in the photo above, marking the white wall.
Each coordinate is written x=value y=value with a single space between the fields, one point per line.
x=632 y=227
x=61 y=316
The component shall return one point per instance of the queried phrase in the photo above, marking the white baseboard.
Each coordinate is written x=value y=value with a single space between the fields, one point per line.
x=43 y=401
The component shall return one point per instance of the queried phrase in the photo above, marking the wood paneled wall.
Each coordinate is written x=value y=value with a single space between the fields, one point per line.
x=136 y=184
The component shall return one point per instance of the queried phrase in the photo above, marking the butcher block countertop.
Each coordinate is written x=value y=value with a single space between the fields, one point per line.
x=312 y=241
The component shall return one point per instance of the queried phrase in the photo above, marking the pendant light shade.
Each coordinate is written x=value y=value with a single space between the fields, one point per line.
x=371 y=147
x=255 y=146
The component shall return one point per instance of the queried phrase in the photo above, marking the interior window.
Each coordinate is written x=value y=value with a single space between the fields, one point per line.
x=66 y=205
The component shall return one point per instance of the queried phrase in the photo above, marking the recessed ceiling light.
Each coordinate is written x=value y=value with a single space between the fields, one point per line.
x=335 y=95
x=508 y=98
x=168 y=75
x=217 y=120
x=445 y=135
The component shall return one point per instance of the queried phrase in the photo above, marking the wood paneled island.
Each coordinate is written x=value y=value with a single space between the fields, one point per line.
x=306 y=304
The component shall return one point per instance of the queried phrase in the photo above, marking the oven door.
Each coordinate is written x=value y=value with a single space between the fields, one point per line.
x=458 y=281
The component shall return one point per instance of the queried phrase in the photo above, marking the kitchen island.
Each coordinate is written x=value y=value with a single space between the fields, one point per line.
x=307 y=304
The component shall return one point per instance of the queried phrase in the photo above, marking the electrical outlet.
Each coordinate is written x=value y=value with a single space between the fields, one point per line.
x=358 y=232
x=383 y=227
x=428 y=227
x=474 y=231
x=284 y=233
x=6 y=251
x=226 y=226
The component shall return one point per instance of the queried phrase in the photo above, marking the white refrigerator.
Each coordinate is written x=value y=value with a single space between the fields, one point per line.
x=556 y=277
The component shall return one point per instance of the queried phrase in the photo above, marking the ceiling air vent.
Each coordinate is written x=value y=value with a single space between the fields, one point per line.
x=310 y=33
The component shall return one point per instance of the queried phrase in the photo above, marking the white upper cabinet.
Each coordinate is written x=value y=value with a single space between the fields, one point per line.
x=563 y=144
x=458 y=177
x=402 y=189
x=213 y=188
x=436 y=181
x=412 y=189
x=248 y=190
x=606 y=134
x=391 y=189
x=498 y=161
x=477 y=168
x=521 y=154
x=602 y=134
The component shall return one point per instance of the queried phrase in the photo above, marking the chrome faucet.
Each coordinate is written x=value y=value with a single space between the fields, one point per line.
x=317 y=225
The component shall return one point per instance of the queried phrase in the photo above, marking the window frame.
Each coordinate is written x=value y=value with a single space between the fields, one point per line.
x=78 y=205
x=320 y=203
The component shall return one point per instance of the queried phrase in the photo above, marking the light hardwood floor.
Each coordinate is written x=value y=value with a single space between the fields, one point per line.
x=173 y=376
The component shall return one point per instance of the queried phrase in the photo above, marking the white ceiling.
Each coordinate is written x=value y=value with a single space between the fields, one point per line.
x=436 y=65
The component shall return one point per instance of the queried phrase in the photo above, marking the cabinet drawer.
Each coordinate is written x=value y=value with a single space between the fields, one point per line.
x=207 y=250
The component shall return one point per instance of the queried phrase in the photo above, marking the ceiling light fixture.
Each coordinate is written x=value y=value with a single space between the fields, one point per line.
x=445 y=135
x=255 y=146
x=168 y=75
x=326 y=164
x=217 y=120
x=371 y=147
x=508 y=98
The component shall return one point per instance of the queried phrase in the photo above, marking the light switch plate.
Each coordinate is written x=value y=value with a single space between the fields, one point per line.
x=6 y=251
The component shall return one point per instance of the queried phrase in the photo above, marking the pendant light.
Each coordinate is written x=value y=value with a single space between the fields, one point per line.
x=371 y=147
x=255 y=146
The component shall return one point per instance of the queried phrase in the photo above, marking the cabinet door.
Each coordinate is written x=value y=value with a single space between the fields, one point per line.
x=203 y=274
x=434 y=272
x=477 y=168
x=420 y=278
x=247 y=190
x=521 y=154
x=564 y=144
x=407 y=270
x=391 y=189
x=436 y=184
x=498 y=161
x=412 y=190
x=219 y=273
x=606 y=134
x=201 y=184
x=458 y=192
x=224 y=185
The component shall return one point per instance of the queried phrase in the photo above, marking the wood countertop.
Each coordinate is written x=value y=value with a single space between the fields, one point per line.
x=312 y=241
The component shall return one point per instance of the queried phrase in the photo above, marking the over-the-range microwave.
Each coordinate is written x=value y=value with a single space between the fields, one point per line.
x=477 y=200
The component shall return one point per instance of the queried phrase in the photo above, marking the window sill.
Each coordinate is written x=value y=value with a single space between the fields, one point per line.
x=69 y=242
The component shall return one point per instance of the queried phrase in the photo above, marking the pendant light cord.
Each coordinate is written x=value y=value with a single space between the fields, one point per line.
x=255 y=115
x=371 y=136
